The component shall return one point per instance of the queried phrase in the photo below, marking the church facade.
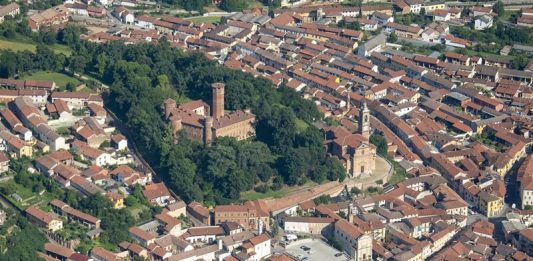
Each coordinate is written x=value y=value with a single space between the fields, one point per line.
x=355 y=151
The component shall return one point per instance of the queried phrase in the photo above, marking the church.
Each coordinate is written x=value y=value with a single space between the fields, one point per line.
x=205 y=123
x=355 y=151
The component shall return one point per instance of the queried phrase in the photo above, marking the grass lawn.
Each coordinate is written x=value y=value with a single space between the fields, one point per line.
x=301 y=125
x=59 y=78
x=204 y=19
x=23 y=46
x=253 y=195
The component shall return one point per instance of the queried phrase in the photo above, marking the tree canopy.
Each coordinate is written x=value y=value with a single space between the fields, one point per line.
x=142 y=76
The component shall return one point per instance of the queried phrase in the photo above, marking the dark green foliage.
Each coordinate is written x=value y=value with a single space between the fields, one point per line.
x=322 y=200
x=142 y=76
x=519 y=62
x=392 y=38
x=408 y=19
x=115 y=222
x=233 y=5
x=190 y=5
x=498 y=8
x=499 y=34
x=24 y=242
x=354 y=26
x=380 y=142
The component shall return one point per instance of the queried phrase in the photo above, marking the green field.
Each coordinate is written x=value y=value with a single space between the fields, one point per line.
x=60 y=79
x=253 y=195
x=23 y=46
x=205 y=19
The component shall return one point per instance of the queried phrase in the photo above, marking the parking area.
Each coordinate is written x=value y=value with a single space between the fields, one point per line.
x=318 y=251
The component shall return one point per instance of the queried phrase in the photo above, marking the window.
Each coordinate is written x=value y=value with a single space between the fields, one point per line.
x=362 y=169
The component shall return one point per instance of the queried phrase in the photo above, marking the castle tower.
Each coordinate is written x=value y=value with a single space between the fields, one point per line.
x=364 y=121
x=170 y=105
x=208 y=129
x=217 y=102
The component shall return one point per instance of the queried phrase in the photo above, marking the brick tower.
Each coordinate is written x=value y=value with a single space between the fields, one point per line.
x=217 y=103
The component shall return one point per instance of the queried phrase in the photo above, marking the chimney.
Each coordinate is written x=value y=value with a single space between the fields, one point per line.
x=217 y=103
x=208 y=129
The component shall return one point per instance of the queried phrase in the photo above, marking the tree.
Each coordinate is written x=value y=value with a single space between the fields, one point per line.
x=233 y=5
x=70 y=35
x=519 y=62
x=380 y=142
x=392 y=38
x=77 y=63
x=191 y=5
x=498 y=8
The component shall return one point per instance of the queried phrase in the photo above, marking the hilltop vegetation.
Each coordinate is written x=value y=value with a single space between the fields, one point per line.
x=142 y=76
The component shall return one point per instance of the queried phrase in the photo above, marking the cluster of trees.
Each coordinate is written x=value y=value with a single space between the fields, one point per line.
x=234 y=5
x=190 y=5
x=272 y=4
x=407 y=19
x=499 y=34
x=143 y=76
x=22 y=239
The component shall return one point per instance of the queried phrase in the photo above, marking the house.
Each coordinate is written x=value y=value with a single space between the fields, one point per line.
x=382 y=18
x=57 y=252
x=176 y=209
x=89 y=131
x=199 y=212
x=456 y=41
x=157 y=193
x=119 y=142
x=11 y=9
x=146 y=21
x=93 y=155
x=430 y=7
x=250 y=215
x=405 y=31
x=116 y=198
x=54 y=16
x=43 y=219
x=308 y=225
x=257 y=248
x=101 y=254
x=490 y=205
x=480 y=10
x=374 y=44
x=414 y=5
x=367 y=24
x=144 y=238
x=59 y=110
x=441 y=15
x=124 y=15
x=77 y=100
x=63 y=209
x=98 y=112
x=483 y=22
x=353 y=240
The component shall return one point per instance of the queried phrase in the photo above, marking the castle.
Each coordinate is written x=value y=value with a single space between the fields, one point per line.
x=205 y=123
x=355 y=151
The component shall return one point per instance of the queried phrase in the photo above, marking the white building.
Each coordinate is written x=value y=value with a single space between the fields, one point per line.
x=483 y=22
x=354 y=242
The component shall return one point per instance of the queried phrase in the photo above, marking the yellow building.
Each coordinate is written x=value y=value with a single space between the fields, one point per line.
x=432 y=6
x=489 y=204
x=116 y=198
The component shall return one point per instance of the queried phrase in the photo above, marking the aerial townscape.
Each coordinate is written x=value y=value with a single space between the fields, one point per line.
x=282 y=130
